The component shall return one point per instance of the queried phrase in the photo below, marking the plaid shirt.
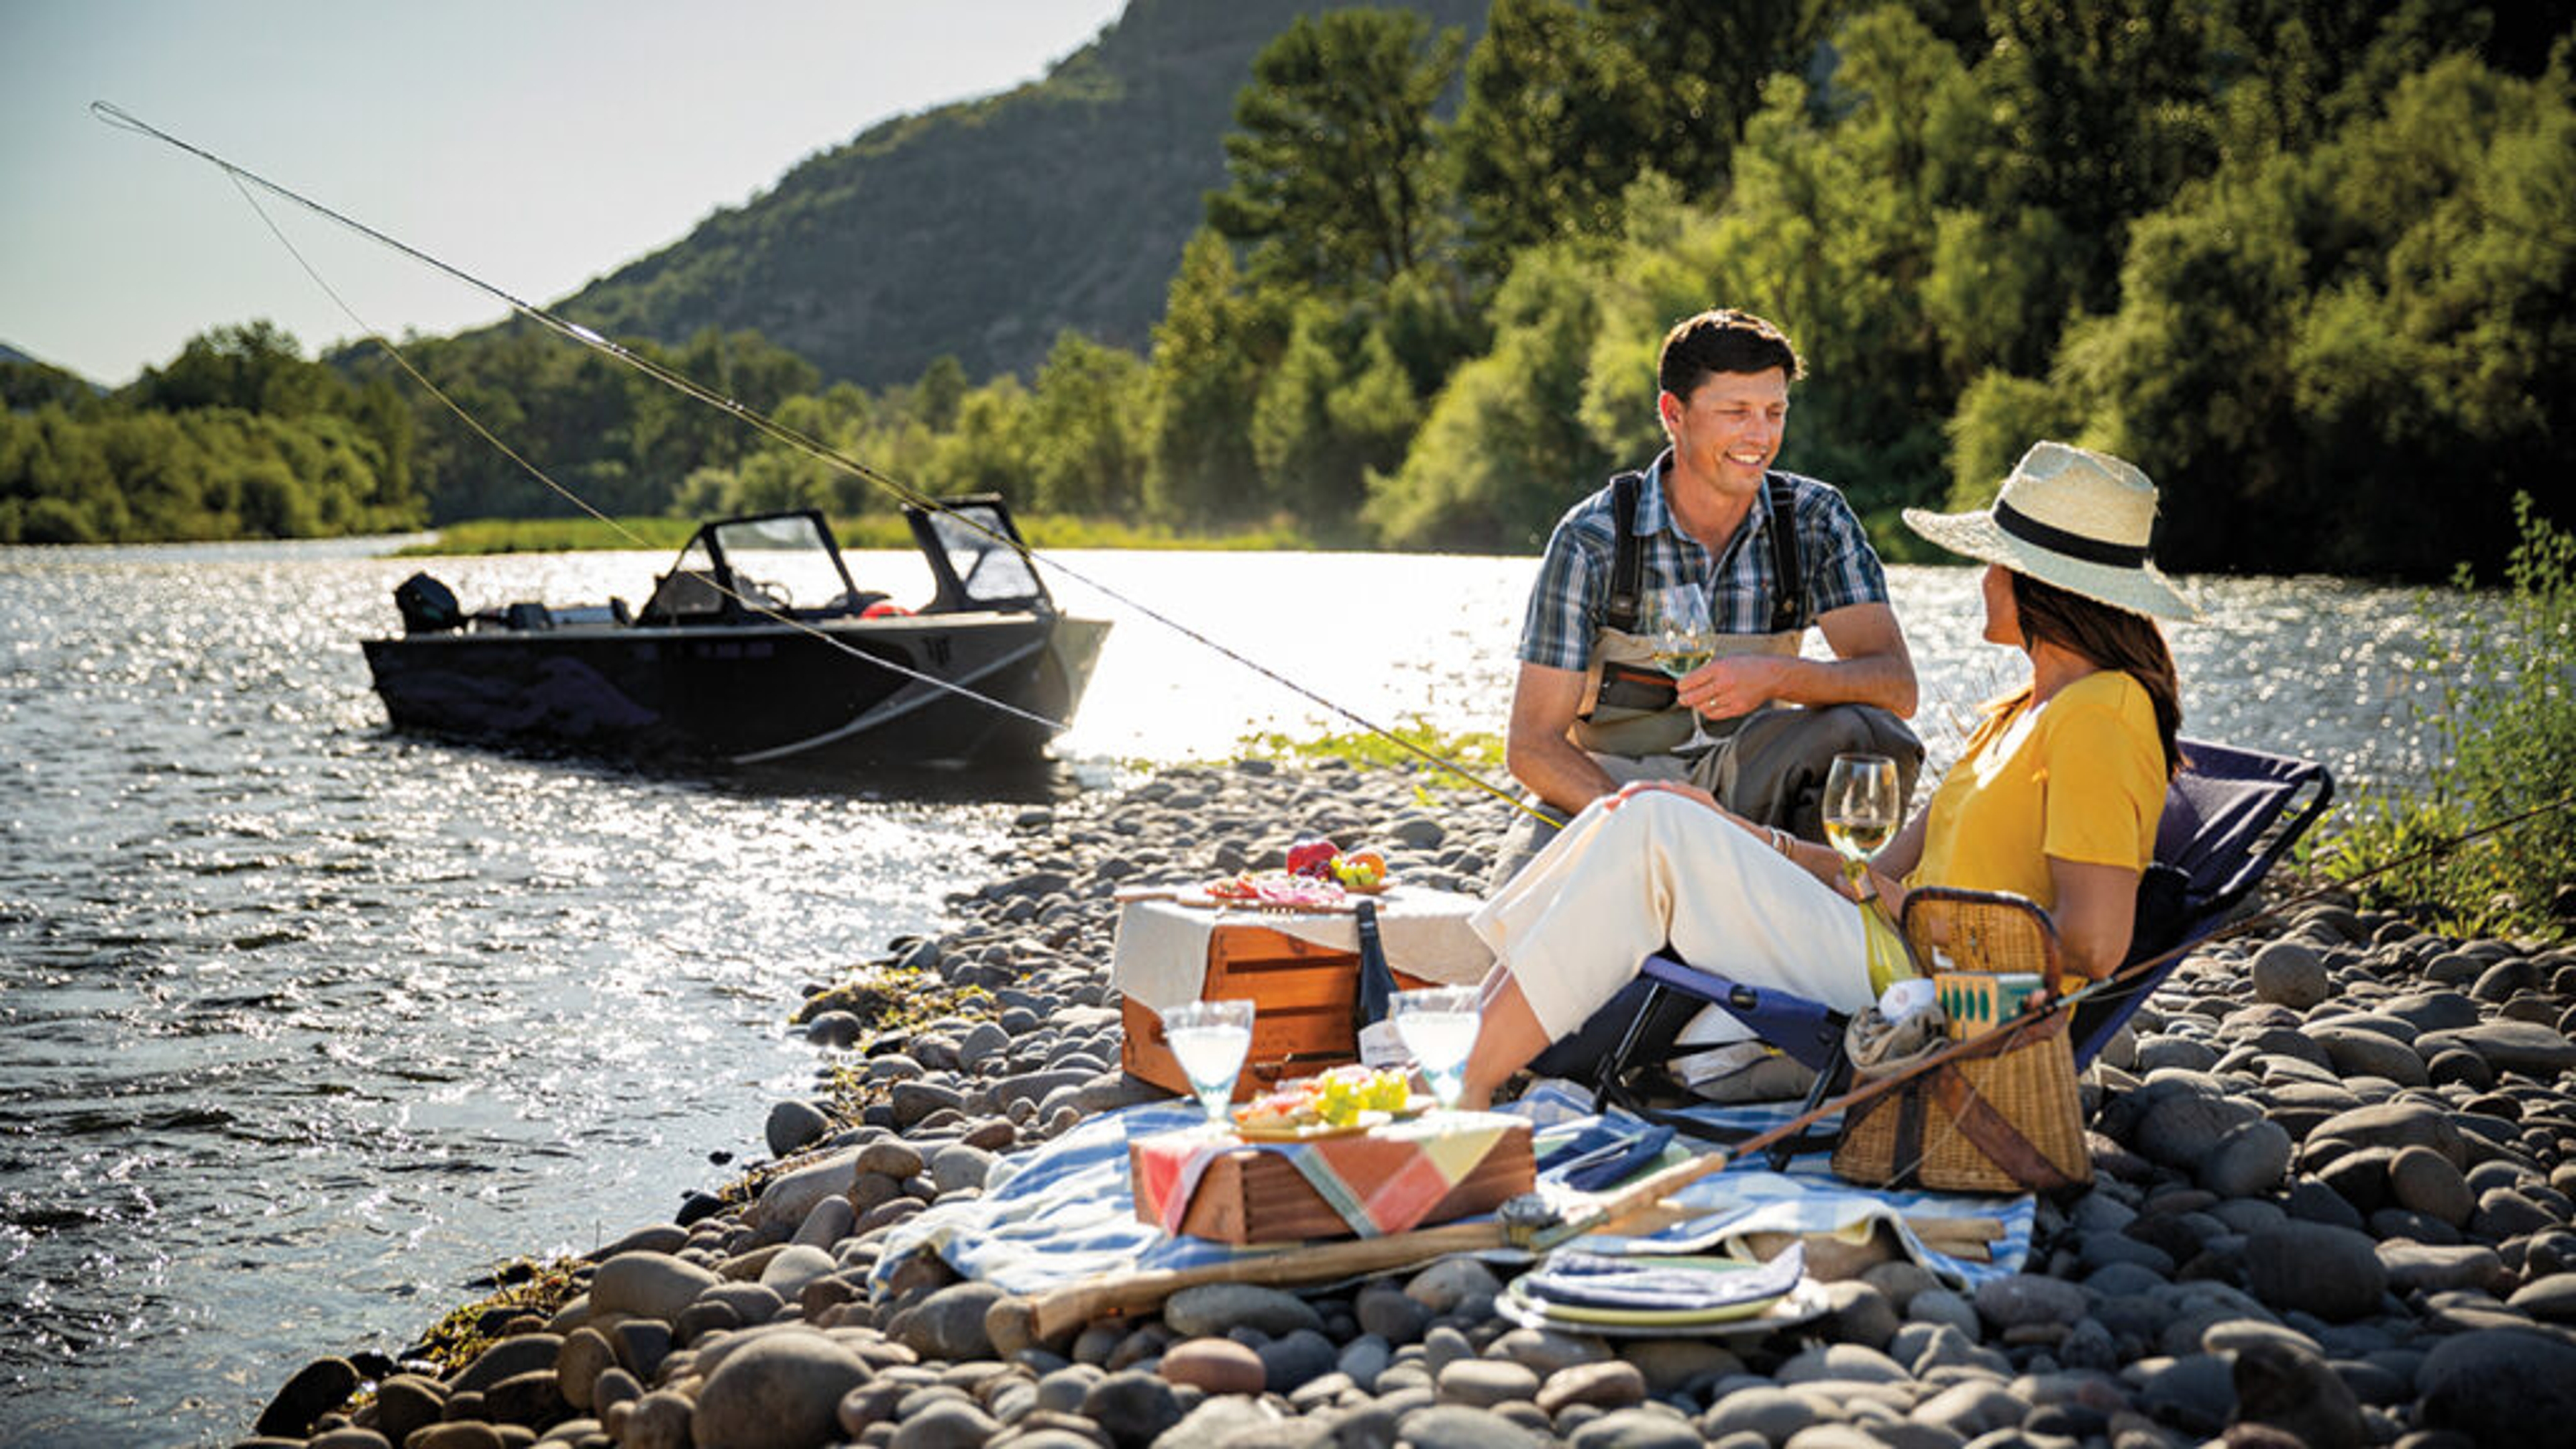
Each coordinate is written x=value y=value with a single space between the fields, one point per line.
x=1573 y=587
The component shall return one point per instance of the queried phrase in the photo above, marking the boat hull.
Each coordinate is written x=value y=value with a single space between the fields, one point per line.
x=817 y=696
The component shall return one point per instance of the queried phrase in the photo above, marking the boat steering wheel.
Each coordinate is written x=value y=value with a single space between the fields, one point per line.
x=761 y=593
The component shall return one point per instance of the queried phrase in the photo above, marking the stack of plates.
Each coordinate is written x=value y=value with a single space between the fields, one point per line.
x=1587 y=1292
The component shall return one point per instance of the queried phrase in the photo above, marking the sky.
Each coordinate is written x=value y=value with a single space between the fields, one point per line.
x=536 y=144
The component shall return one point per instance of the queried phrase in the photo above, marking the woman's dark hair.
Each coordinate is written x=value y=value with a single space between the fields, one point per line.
x=2111 y=637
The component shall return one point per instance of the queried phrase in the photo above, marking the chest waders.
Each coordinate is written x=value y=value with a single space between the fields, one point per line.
x=1628 y=706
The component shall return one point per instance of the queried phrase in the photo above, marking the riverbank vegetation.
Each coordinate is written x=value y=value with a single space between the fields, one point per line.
x=2505 y=747
x=2309 y=262
x=665 y=533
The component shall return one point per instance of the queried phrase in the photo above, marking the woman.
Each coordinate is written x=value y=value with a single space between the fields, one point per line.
x=2056 y=797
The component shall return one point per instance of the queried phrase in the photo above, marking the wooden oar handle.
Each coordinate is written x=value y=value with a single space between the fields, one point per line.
x=1058 y=1310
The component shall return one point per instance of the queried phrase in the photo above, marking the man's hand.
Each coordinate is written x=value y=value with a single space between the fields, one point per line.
x=1735 y=684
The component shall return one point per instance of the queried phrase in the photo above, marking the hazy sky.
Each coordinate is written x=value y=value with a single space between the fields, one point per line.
x=534 y=143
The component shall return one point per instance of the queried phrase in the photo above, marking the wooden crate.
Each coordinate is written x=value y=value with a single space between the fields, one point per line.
x=1251 y=1196
x=1305 y=999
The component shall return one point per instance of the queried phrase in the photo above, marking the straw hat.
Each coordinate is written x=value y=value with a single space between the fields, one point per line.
x=2071 y=517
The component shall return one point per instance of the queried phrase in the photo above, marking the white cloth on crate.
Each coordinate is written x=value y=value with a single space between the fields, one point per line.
x=1160 y=956
x=1617 y=885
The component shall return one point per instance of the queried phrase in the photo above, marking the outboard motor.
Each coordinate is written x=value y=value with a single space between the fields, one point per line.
x=428 y=606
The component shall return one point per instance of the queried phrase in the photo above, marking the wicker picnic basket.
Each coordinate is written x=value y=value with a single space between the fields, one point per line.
x=2002 y=1117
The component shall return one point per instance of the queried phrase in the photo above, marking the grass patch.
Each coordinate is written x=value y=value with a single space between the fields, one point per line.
x=527 y=1289
x=1478 y=751
x=2505 y=745
x=655 y=532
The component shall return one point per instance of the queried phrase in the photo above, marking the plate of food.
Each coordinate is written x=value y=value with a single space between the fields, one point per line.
x=1341 y=1103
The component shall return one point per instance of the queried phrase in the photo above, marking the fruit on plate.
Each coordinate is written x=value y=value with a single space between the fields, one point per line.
x=1361 y=870
x=1338 y=1098
x=1313 y=857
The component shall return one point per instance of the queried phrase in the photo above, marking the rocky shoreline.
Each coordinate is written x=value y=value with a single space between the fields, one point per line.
x=2334 y=1164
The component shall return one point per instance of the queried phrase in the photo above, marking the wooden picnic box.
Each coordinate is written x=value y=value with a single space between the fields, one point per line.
x=1251 y=1196
x=1305 y=1004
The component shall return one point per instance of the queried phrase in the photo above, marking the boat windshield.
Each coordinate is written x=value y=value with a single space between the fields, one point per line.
x=988 y=570
x=785 y=561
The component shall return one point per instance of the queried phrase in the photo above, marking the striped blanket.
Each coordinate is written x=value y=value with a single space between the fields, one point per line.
x=1064 y=1211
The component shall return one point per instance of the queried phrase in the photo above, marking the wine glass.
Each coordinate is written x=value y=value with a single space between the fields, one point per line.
x=1680 y=647
x=1438 y=1025
x=1860 y=810
x=1211 y=1039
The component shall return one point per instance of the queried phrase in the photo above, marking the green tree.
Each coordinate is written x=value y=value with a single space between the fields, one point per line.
x=2106 y=112
x=1087 y=429
x=1210 y=351
x=1557 y=121
x=1502 y=453
x=1332 y=167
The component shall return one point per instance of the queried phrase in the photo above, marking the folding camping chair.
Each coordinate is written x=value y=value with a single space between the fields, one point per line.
x=2230 y=815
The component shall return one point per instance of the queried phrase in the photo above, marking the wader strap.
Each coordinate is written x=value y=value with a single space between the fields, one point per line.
x=1627 y=556
x=1789 y=585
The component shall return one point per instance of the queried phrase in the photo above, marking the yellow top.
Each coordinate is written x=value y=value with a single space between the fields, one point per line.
x=2080 y=778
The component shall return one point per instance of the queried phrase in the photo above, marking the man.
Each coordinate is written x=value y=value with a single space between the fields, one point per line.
x=1706 y=548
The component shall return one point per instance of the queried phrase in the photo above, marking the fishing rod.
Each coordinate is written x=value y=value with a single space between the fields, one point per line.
x=747 y=601
x=771 y=428
x=1061 y=1309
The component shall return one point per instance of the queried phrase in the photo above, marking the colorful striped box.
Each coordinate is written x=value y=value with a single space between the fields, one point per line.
x=1976 y=1002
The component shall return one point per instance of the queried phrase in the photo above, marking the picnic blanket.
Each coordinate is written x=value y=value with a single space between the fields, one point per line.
x=1382 y=1182
x=1063 y=1212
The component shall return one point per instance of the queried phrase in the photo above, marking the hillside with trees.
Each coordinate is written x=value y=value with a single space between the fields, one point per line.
x=2308 y=262
x=980 y=230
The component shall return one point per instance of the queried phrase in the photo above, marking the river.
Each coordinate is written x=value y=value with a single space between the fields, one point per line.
x=304 y=1024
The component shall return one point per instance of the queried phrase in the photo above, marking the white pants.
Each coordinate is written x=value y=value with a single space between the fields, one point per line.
x=1617 y=885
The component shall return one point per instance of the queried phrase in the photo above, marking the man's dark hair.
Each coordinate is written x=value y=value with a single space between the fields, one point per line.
x=1722 y=340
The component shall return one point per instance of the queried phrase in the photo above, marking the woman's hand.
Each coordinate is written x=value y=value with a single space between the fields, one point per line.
x=1683 y=788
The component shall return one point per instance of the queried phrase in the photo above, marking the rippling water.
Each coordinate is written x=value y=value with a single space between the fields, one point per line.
x=303 y=1024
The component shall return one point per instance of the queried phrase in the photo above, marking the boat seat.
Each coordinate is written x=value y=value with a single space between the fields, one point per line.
x=684 y=594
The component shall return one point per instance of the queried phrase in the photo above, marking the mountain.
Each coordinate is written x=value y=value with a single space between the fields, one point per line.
x=984 y=228
x=41 y=382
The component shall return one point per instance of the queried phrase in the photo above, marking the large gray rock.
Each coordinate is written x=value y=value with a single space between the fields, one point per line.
x=796 y=1265
x=794 y=1124
x=2394 y=1125
x=2508 y=1046
x=1216 y=1309
x=2286 y=1387
x=949 y=1324
x=1455 y=1426
x=2361 y=1052
x=648 y=1285
x=2504 y=1387
x=2246 y=1161
x=1135 y=1408
x=2291 y=974
x=783 y=1392
x=2332 y=1272
x=791 y=1195
x=518 y=1354
x=2025 y=1299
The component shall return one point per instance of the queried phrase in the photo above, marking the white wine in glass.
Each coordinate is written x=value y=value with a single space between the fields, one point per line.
x=1679 y=649
x=1860 y=812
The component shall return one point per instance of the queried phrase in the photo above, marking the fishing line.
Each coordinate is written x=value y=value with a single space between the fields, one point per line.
x=746 y=601
x=793 y=438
